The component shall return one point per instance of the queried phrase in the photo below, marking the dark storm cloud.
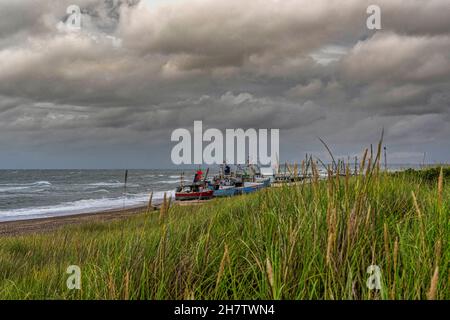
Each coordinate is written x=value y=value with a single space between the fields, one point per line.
x=137 y=71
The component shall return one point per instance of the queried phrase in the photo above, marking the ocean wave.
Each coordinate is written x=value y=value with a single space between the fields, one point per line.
x=110 y=185
x=42 y=183
x=170 y=181
x=173 y=181
x=101 y=191
x=105 y=184
x=11 y=187
x=81 y=206
x=37 y=183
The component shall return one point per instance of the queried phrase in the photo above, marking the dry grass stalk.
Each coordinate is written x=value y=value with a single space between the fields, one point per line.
x=111 y=286
x=386 y=240
x=164 y=208
x=208 y=235
x=363 y=162
x=440 y=188
x=432 y=292
x=369 y=166
x=369 y=211
x=386 y=246
x=127 y=285
x=162 y=244
x=330 y=182
x=331 y=219
x=351 y=226
x=338 y=173
x=416 y=205
x=169 y=204
x=437 y=252
x=330 y=246
x=225 y=259
x=395 y=254
x=293 y=237
x=315 y=174
x=189 y=295
x=150 y=206
x=419 y=214
x=378 y=156
x=395 y=269
x=374 y=245
x=329 y=152
x=269 y=271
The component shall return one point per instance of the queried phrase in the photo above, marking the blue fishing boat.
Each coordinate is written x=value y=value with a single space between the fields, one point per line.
x=250 y=187
x=225 y=191
x=228 y=185
x=224 y=185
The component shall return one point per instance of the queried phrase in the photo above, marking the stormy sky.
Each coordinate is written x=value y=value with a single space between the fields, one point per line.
x=110 y=95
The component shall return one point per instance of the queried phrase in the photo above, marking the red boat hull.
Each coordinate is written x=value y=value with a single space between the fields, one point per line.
x=203 y=195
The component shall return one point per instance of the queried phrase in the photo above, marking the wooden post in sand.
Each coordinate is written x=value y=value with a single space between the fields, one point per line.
x=125 y=188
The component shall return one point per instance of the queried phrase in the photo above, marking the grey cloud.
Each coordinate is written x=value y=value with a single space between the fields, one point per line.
x=312 y=69
x=393 y=57
x=416 y=17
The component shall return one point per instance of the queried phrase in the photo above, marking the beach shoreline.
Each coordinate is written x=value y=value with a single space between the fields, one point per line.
x=48 y=224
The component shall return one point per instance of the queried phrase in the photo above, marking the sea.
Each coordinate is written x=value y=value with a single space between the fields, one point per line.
x=30 y=194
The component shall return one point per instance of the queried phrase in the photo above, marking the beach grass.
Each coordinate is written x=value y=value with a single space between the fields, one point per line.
x=310 y=241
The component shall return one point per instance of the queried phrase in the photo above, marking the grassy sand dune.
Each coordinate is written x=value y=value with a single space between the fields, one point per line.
x=313 y=241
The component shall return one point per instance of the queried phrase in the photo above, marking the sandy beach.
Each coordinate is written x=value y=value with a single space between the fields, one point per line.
x=42 y=225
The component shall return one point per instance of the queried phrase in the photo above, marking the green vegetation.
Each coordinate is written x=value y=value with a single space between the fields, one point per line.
x=427 y=174
x=313 y=241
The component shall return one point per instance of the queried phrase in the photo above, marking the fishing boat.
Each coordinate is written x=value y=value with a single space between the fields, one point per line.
x=198 y=190
x=225 y=184
x=243 y=181
x=250 y=187
x=193 y=192
x=225 y=191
